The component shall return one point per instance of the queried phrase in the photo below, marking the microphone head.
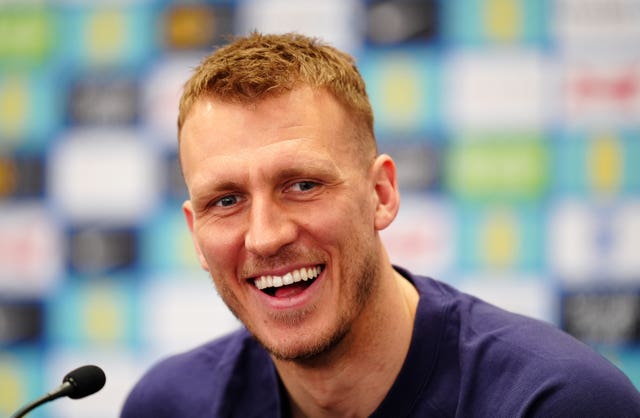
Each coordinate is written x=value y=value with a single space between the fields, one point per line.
x=85 y=380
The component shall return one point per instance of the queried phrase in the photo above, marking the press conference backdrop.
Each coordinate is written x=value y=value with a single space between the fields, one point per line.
x=515 y=125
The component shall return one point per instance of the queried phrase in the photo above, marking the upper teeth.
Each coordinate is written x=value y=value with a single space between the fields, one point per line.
x=294 y=276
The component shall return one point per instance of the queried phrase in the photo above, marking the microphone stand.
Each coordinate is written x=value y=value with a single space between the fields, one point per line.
x=65 y=388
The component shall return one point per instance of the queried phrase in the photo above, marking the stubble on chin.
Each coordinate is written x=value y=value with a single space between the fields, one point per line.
x=324 y=345
x=327 y=340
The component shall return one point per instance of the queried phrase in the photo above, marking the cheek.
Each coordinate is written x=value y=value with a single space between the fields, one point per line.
x=324 y=222
x=218 y=246
x=340 y=223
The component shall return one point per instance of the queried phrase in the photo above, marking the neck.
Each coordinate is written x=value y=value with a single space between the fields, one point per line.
x=353 y=379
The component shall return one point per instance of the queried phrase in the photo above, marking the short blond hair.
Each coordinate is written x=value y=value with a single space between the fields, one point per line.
x=259 y=65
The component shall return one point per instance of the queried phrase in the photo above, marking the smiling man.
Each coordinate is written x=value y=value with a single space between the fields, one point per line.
x=287 y=195
x=284 y=212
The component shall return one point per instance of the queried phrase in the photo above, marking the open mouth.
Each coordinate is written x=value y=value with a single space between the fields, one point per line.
x=291 y=284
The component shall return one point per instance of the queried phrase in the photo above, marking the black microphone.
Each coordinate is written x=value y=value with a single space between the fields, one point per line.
x=81 y=382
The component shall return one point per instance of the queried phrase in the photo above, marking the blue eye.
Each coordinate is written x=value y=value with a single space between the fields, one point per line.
x=303 y=186
x=226 y=201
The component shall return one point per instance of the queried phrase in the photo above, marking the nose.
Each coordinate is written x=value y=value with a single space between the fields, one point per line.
x=270 y=227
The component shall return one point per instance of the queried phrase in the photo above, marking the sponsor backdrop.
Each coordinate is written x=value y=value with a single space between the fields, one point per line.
x=515 y=125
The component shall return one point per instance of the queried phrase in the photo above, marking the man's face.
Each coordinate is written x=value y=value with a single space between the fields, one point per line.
x=282 y=211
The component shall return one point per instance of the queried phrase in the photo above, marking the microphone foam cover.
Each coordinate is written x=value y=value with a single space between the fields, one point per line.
x=86 y=380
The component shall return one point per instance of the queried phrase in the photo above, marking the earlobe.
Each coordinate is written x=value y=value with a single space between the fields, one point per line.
x=187 y=209
x=386 y=188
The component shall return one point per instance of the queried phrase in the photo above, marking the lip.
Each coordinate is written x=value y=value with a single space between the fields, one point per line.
x=296 y=302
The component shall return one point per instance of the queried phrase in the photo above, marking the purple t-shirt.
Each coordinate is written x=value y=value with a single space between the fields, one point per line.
x=467 y=359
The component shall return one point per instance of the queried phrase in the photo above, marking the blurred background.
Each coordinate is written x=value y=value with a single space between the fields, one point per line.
x=515 y=125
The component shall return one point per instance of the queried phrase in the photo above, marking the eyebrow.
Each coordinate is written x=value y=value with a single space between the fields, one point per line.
x=324 y=168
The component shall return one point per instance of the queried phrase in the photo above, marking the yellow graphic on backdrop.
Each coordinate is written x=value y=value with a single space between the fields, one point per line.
x=14 y=103
x=12 y=390
x=106 y=35
x=401 y=92
x=604 y=164
x=105 y=321
x=503 y=19
x=500 y=238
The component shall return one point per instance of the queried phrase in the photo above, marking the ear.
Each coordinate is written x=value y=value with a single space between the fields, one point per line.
x=187 y=209
x=386 y=190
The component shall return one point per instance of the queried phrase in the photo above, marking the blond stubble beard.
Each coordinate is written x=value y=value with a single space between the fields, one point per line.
x=362 y=288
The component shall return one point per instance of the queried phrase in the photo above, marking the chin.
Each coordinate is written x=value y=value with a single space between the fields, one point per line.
x=304 y=350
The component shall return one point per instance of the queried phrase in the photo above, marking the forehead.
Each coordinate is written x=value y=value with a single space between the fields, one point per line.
x=302 y=125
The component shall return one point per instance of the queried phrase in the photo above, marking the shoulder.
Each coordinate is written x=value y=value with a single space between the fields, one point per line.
x=195 y=379
x=535 y=369
x=480 y=329
x=586 y=386
x=508 y=363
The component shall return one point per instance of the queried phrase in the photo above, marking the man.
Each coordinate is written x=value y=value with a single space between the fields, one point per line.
x=287 y=195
